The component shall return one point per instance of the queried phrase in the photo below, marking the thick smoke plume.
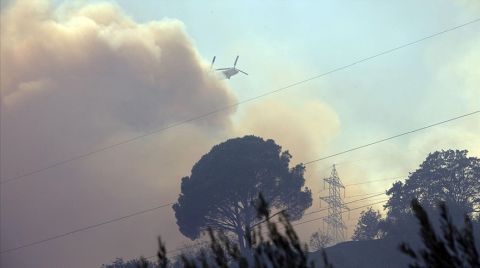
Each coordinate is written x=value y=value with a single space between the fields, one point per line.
x=72 y=79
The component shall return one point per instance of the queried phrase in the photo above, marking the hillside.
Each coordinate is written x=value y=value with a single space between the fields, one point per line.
x=372 y=253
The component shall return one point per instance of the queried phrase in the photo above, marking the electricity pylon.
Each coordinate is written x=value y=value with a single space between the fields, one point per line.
x=335 y=225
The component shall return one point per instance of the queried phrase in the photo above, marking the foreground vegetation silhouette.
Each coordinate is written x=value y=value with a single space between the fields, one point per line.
x=282 y=248
x=454 y=248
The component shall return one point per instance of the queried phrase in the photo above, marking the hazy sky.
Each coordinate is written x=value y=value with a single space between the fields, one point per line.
x=81 y=75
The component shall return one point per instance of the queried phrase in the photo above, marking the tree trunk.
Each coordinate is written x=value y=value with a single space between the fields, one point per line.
x=241 y=240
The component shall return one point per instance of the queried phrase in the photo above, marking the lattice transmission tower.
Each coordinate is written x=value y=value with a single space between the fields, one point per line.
x=335 y=225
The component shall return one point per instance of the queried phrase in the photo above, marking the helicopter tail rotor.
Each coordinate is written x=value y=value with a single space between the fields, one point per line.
x=211 y=66
x=235 y=63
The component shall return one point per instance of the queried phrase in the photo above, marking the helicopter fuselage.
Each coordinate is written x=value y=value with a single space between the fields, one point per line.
x=230 y=72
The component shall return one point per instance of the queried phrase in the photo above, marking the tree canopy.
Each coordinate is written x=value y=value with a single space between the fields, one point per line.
x=224 y=183
x=320 y=240
x=449 y=176
x=368 y=226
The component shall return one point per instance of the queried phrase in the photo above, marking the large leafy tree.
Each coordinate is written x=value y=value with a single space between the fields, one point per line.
x=448 y=176
x=368 y=226
x=223 y=185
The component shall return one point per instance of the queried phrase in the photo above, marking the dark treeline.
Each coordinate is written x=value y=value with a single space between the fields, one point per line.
x=447 y=176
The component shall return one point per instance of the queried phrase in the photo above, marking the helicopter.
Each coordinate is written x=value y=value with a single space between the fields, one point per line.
x=229 y=72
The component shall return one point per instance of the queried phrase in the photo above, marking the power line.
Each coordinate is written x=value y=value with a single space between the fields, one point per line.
x=373 y=199
x=98 y=225
x=357 y=195
x=270 y=217
x=358 y=200
x=155 y=208
x=321 y=210
x=367 y=182
x=299 y=223
x=354 y=201
x=86 y=228
x=179 y=123
x=303 y=222
x=284 y=210
x=392 y=137
x=316 y=219
x=348 y=162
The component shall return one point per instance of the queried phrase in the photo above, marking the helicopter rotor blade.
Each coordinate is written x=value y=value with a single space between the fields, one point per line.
x=242 y=71
x=235 y=63
x=211 y=66
x=222 y=69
